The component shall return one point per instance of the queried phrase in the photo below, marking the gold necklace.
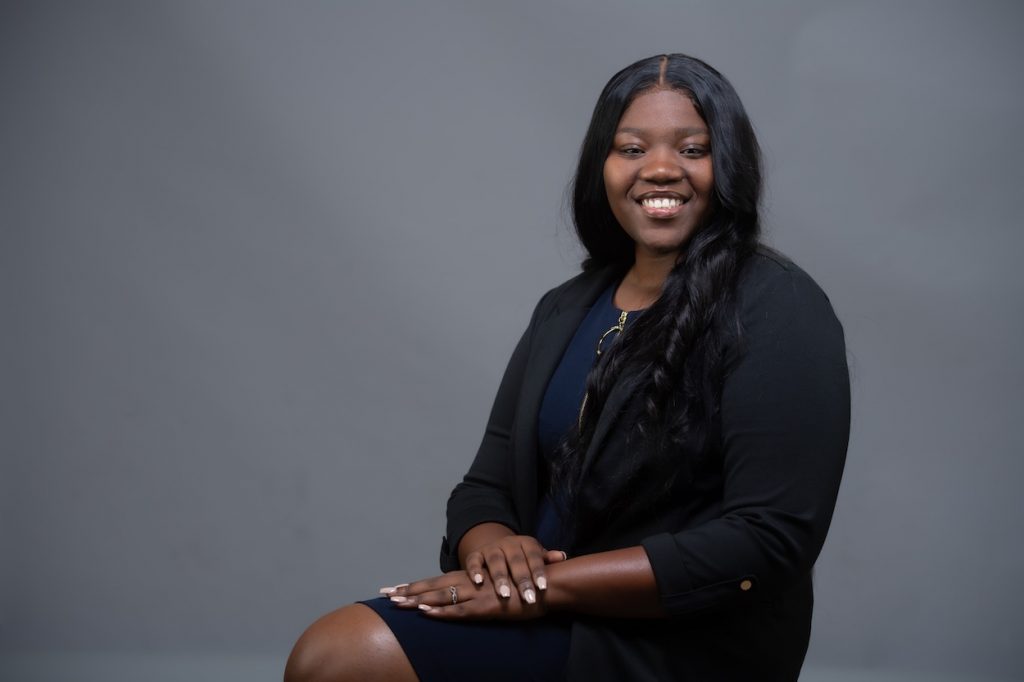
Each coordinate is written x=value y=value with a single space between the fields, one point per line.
x=619 y=326
x=618 y=329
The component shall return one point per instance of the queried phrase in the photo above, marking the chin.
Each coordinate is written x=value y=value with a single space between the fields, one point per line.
x=666 y=248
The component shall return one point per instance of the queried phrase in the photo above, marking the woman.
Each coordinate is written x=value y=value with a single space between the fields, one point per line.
x=663 y=456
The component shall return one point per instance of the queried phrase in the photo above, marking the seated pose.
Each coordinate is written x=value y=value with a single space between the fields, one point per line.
x=661 y=463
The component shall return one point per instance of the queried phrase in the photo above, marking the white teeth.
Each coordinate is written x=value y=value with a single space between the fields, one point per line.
x=661 y=202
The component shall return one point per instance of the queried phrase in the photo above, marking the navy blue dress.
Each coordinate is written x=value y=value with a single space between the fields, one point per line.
x=513 y=651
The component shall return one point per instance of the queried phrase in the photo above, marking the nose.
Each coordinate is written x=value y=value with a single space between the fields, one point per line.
x=662 y=168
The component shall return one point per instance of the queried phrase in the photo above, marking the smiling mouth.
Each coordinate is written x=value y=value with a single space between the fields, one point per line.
x=662 y=206
x=661 y=202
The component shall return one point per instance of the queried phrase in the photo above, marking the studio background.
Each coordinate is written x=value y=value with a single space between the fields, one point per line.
x=261 y=266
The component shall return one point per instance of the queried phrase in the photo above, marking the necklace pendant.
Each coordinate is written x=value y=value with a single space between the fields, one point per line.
x=619 y=326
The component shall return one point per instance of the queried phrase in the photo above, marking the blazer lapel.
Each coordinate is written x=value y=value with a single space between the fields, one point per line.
x=550 y=339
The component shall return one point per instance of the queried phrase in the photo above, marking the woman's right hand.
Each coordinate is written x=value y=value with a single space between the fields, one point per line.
x=512 y=562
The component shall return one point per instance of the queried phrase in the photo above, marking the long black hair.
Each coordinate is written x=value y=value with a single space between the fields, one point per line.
x=674 y=349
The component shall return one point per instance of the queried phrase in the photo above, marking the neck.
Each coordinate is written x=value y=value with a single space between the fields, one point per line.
x=643 y=283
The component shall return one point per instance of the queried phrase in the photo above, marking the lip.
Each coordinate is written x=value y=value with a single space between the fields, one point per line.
x=662 y=213
x=661 y=193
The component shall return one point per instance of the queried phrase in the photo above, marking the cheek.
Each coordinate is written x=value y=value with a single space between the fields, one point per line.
x=608 y=176
x=616 y=177
x=707 y=179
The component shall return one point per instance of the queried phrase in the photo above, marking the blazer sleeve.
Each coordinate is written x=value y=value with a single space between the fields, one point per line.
x=485 y=493
x=785 y=420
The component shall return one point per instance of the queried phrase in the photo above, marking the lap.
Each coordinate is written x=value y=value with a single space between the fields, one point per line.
x=474 y=650
x=374 y=640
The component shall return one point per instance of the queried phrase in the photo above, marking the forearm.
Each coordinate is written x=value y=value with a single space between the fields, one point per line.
x=480 y=535
x=619 y=583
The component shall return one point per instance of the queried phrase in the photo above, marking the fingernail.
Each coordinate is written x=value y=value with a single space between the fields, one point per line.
x=542 y=583
x=387 y=590
x=423 y=607
x=504 y=591
x=530 y=596
x=478 y=579
x=399 y=600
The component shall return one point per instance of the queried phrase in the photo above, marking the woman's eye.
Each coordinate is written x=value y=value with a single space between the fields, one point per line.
x=693 y=151
x=632 y=151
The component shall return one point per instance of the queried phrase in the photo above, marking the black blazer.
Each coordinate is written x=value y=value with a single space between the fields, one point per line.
x=733 y=547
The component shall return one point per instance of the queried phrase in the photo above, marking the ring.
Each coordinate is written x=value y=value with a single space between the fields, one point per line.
x=455 y=594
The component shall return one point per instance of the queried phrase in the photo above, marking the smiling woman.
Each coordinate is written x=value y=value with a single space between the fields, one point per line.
x=658 y=175
x=660 y=466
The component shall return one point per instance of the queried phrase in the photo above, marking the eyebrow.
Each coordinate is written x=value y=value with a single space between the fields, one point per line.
x=685 y=132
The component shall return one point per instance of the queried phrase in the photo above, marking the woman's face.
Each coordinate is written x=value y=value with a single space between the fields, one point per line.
x=658 y=173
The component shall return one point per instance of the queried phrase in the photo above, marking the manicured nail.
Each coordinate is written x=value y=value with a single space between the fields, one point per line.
x=504 y=591
x=388 y=590
x=478 y=579
x=399 y=600
x=542 y=583
x=423 y=607
x=530 y=596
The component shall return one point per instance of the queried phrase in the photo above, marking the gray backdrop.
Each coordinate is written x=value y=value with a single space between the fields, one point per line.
x=261 y=265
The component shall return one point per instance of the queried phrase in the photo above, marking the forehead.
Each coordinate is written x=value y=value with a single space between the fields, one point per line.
x=660 y=110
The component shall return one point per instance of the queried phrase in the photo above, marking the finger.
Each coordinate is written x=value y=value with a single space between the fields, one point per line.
x=410 y=599
x=554 y=556
x=407 y=591
x=519 y=568
x=447 y=595
x=475 y=567
x=535 y=560
x=402 y=596
x=485 y=607
x=480 y=605
x=450 y=612
x=497 y=568
x=388 y=591
x=434 y=599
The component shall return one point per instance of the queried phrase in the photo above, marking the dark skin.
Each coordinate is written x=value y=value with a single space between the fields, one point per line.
x=660 y=151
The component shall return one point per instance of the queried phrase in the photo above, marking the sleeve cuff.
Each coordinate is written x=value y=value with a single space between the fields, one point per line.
x=676 y=592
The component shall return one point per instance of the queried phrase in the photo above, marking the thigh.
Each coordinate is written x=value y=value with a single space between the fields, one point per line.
x=496 y=651
x=351 y=643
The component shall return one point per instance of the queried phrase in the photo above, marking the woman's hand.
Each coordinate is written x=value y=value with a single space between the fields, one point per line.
x=617 y=583
x=513 y=560
x=454 y=596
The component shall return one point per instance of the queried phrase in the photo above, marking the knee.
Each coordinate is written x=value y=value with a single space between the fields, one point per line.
x=324 y=651
x=348 y=644
x=310 y=659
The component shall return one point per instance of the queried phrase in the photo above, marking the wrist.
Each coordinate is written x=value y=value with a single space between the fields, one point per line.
x=617 y=583
x=561 y=593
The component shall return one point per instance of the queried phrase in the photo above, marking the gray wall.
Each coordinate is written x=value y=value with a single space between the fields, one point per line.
x=261 y=267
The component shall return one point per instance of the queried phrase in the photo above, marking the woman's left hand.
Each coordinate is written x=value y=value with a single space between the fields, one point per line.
x=435 y=598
